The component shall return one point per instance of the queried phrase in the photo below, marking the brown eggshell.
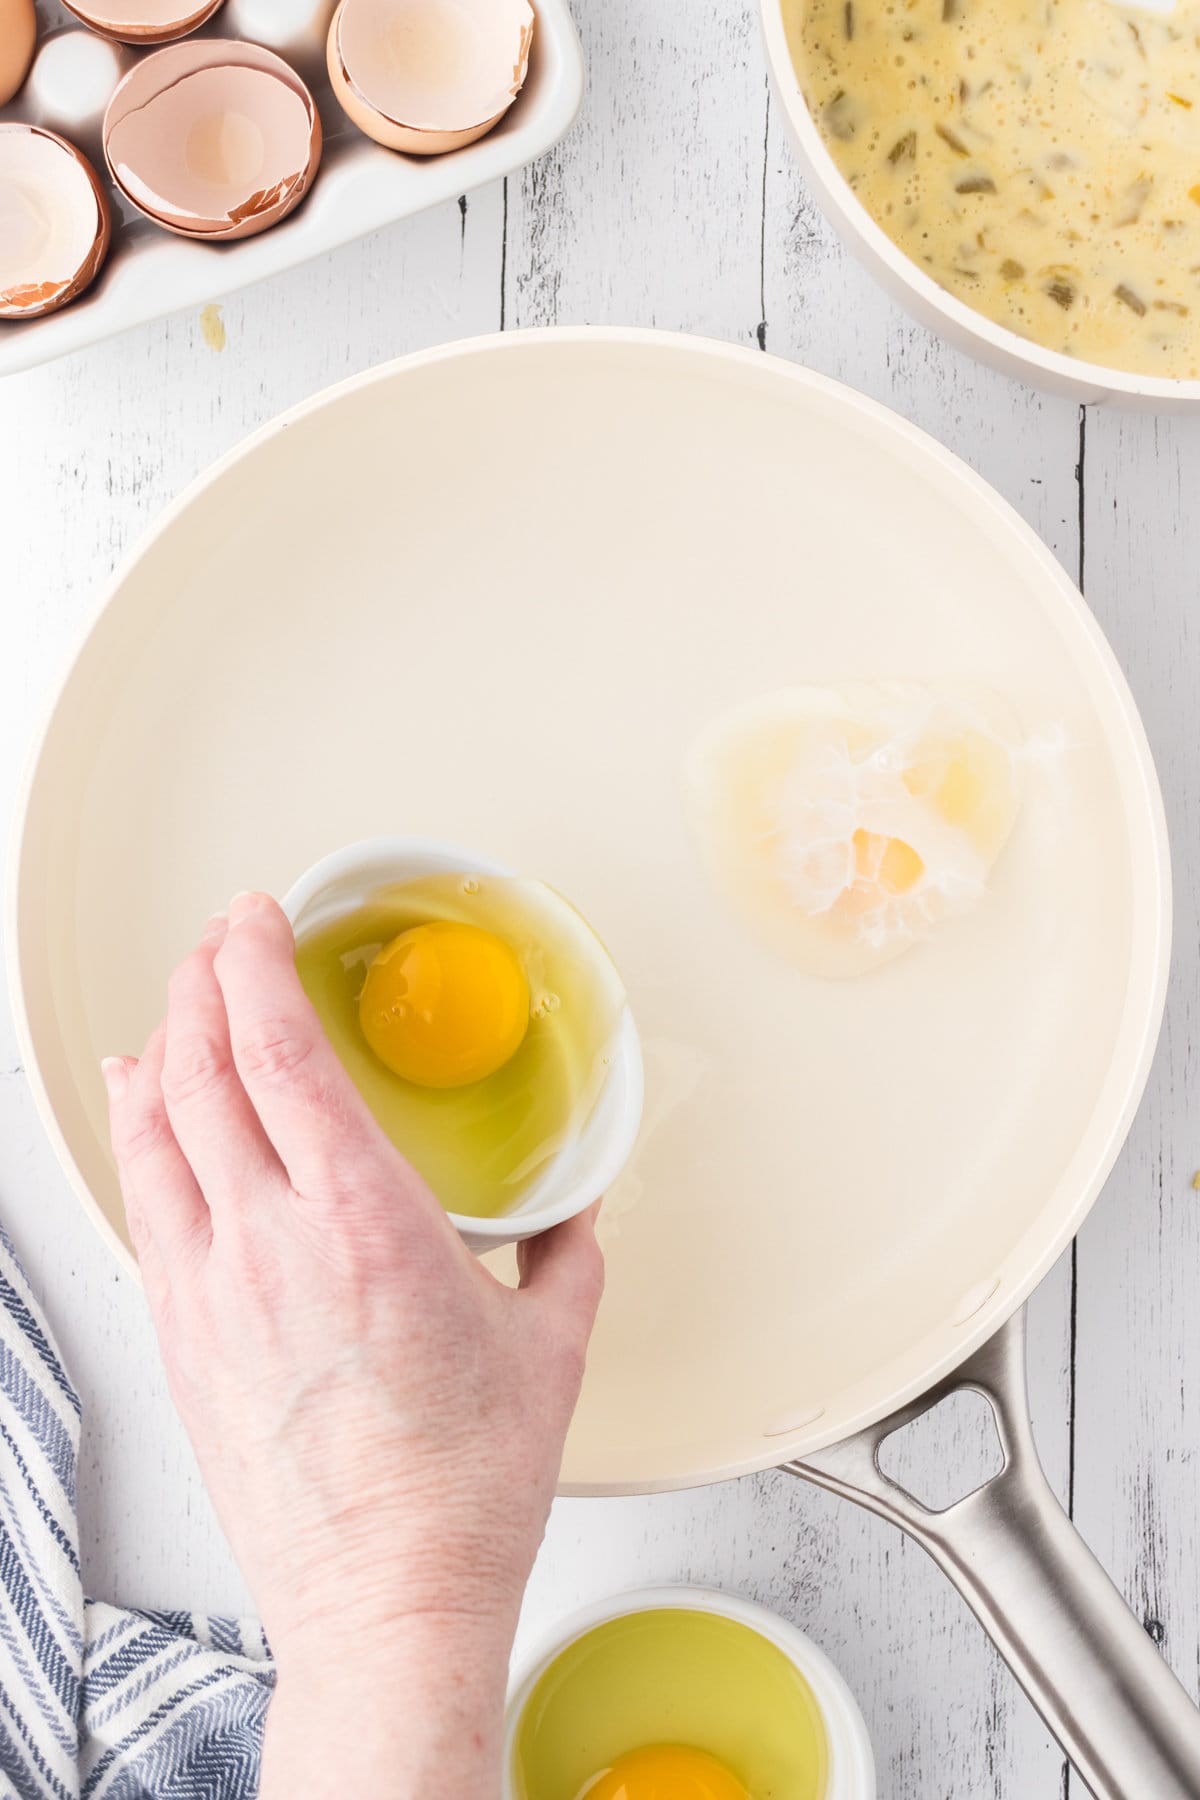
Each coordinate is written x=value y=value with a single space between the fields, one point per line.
x=213 y=139
x=144 y=22
x=55 y=224
x=18 y=38
x=427 y=76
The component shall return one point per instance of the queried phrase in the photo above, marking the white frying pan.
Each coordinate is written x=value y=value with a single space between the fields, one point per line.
x=491 y=594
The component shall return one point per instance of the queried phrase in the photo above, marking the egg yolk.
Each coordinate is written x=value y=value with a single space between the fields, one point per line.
x=445 y=1004
x=881 y=864
x=846 y=825
x=666 y=1772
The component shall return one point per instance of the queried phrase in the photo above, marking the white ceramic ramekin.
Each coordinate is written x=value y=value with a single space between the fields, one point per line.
x=851 y=1773
x=958 y=323
x=584 y=1170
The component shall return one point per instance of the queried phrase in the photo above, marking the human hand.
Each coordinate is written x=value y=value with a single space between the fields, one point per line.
x=379 y=1422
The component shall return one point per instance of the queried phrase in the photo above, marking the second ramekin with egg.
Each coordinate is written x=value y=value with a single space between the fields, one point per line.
x=484 y=1022
x=683 y=1693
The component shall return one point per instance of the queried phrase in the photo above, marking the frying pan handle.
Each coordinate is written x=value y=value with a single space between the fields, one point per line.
x=1056 y=1618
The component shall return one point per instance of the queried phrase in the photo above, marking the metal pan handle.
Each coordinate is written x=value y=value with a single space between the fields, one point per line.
x=1009 y=1548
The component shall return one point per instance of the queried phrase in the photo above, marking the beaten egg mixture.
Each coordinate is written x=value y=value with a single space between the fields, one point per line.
x=1039 y=158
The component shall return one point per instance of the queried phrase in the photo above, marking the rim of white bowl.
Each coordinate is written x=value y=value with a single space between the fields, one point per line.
x=851 y=1772
x=627 y=1066
x=957 y=321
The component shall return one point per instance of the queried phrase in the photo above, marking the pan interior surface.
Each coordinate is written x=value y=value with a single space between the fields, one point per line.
x=491 y=595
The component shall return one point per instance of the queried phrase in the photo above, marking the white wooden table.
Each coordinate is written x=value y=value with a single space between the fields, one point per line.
x=675 y=203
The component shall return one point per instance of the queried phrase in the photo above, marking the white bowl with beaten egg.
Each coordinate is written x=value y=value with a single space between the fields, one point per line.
x=600 y=1137
x=924 y=297
x=675 y=1690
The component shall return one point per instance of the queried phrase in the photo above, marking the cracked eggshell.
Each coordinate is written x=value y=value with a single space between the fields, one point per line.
x=143 y=21
x=213 y=139
x=54 y=222
x=426 y=76
x=18 y=39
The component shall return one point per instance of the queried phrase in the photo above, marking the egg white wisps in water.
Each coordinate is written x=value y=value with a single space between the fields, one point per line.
x=845 y=824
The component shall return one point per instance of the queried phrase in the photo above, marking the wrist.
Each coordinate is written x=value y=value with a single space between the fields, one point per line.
x=414 y=1647
x=361 y=1585
x=405 y=1712
x=377 y=1620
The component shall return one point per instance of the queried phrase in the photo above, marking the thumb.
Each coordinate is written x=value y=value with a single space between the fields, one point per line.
x=564 y=1270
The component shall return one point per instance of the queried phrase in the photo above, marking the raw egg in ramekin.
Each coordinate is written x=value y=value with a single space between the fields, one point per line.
x=683 y=1693
x=483 y=1021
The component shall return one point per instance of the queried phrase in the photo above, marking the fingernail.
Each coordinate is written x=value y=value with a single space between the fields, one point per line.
x=116 y=1076
x=242 y=905
x=215 y=930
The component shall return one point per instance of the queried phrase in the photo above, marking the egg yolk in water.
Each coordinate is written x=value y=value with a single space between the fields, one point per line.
x=666 y=1772
x=475 y=1014
x=844 y=825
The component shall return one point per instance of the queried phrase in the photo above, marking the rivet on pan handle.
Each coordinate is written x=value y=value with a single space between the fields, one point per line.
x=1009 y=1548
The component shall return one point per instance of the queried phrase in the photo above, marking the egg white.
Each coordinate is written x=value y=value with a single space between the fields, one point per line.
x=797 y=798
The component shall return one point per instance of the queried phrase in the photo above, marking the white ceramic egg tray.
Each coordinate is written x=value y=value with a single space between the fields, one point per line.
x=359 y=188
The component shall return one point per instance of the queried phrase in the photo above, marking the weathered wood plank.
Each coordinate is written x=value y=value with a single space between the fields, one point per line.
x=1139 y=1255
x=649 y=212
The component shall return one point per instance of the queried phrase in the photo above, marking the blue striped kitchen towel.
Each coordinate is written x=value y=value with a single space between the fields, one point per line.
x=97 y=1703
